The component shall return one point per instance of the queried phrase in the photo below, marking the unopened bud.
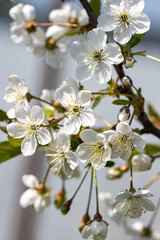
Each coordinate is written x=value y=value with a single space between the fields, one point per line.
x=124 y=114
x=66 y=207
x=116 y=172
x=129 y=62
x=141 y=162
x=59 y=198
x=127 y=82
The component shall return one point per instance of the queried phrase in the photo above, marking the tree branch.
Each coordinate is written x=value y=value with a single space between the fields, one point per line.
x=90 y=12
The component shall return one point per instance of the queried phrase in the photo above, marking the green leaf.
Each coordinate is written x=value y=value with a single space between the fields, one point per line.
x=96 y=7
x=48 y=112
x=110 y=164
x=7 y=151
x=152 y=111
x=3 y=116
x=75 y=143
x=135 y=39
x=16 y=142
x=121 y=102
x=152 y=149
x=4 y=129
x=96 y=101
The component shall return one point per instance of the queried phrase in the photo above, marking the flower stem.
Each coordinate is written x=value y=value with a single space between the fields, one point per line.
x=80 y=183
x=41 y=100
x=96 y=186
x=131 y=175
x=133 y=114
x=90 y=192
x=152 y=180
x=154 y=215
x=57 y=24
x=46 y=176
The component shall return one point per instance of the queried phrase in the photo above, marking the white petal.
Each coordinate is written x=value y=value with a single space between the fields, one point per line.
x=16 y=12
x=63 y=140
x=83 y=72
x=99 y=228
x=84 y=96
x=135 y=5
x=73 y=84
x=88 y=135
x=77 y=51
x=72 y=160
x=30 y=181
x=107 y=22
x=41 y=203
x=121 y=196
x=86 y=232
x=86 y=117
x=122 y=34
x=53 y=60
x=97 y=38
x=140 y=23
x=28 y=198
x=37 y=114
x=138 y=141
x=108 y=133
x=147 y=204
x=113 y=52
x=126 y=153
x=17 y=130
x=143 y=193
x=56 y=32
x=71 y=126
x=28 y=12
x=102 y=72
x=124 y=128
x=64 y=88
x=29 y=145
x=43 y=136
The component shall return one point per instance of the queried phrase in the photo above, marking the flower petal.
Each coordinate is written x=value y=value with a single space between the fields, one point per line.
x=83 y=72
x=77 y=50
x=113 y=52
x=17 y=130
x=124 y=128
x=135 y=5
x=37 y=114
x=102 y=72
x=88 y=135
x=121 y=196
x=84 y=96
x=143 y=193
x=28 y=198
x=29 y=145
x=138 y=141
x=97 y=38
x=72 y=160
x=106 y=22
x=30 y=181
x=86 y=117
x=139 y=23
x=64 y=141
x=43 y=136
x=122 y=34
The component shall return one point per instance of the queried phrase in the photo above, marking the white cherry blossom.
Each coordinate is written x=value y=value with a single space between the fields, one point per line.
x=141 y=162
x=21 y=28
x=123 y=140
x=95 y=148
x=125 y=17
x=71 y=13
x=76 y=104
x=35 y=196
x=59 y=156
x=98 y=229
x=30 y=126
x=48 y=46
x=15 y=93
x=133 y=204
x=95 y=56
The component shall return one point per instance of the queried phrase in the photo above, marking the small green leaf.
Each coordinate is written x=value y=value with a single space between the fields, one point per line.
x=16 y=142
x=135 y=39
x=48 y=112
x=152 y=149
x=152 y=111
x=7 y=151
x=96 y=101
x=75 y=143
x=110 y=164
x=96 y=7
x=4 y=129
x=121 y=102
x=3 y=116
x=137 y=130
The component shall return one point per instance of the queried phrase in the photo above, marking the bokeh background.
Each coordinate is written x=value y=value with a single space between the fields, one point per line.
x=17 y=223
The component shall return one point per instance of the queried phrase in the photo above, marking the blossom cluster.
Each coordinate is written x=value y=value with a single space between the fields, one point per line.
x=64 y=125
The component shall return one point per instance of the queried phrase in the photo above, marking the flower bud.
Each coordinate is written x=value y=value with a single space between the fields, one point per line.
x=127 y=82
x=117 y=172
x=59 y=198
x=129 y=62
x=84 y=222
x=66 y=207
x=141 y=162
x=124 y=114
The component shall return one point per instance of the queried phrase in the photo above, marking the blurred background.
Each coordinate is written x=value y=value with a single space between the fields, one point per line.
x=17 y=223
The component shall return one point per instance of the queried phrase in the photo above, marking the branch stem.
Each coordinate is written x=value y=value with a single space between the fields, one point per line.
x=96 y=186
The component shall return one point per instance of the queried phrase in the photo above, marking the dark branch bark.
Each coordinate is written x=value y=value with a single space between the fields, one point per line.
x=90 y=12
x=143 y=118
